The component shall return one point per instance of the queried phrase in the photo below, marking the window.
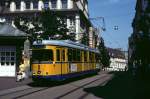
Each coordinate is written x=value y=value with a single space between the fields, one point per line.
x=78 y=57
x=64 y=4
x=18 y=5
x=72 y=21
x=42 y=55
x=85 y=56
x=2 y=3
x=53 y=2
x=91 y=57
x=46 y=4
x=27 y=5
x=7 y=53
x=58 y=55
x=69 y=54
x=7 y=58
x=12 y=53
x=63 y=55
x=35 y=4
x=74 y=55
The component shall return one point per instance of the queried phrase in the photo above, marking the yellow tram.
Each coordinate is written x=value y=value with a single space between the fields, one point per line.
x=62 y=59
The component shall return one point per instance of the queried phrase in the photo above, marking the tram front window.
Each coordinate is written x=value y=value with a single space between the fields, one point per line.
x=42 y=55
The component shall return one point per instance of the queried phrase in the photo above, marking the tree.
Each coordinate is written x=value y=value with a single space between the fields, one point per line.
x=142 y=42
x=104 y=55
x=85 y=39
x=29 y=26
x=54 y=26
x=49 y=25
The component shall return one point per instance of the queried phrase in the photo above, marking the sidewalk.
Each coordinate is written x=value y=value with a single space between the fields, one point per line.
x=8 y=82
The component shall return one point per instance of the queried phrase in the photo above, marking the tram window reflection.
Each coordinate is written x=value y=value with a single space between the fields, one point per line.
x=42 y=55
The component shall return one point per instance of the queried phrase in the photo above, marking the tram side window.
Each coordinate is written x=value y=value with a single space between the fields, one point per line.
x=78 y=57
x=91 y=56
x=85 y=56
x=69 y=54
x=74 y=54
x=63 y=55
x=58 y=55
x=42 y=55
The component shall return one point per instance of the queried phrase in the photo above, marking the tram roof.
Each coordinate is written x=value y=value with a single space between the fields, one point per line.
x=66 y=43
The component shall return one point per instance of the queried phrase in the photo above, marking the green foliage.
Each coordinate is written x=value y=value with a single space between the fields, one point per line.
x=104 y=55
x=49 y=25
x=142 y=41
x=29 y=26
x=85 y=39
x=54 y=26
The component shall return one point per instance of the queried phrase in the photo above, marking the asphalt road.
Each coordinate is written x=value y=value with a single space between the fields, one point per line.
x=70 y=90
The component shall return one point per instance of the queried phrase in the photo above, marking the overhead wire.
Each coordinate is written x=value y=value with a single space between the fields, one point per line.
x=110 y=36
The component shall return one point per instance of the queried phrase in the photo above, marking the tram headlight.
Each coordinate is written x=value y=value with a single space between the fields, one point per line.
x=33 y=72
x=39 y=72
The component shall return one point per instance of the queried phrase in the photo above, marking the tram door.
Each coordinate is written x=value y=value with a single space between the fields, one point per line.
x=7 y=61
x=61 y=61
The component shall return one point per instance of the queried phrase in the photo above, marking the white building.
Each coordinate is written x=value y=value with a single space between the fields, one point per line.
x=76 y=12
x=118 y=60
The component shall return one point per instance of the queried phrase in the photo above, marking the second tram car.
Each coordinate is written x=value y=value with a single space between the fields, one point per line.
x=62 y=59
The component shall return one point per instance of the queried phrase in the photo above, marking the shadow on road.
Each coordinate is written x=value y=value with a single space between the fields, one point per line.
x=48 y=83
x=122 y=86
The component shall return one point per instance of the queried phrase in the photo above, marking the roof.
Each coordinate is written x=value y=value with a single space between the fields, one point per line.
x=66 y=43
x=8 y=30
x=116 y=53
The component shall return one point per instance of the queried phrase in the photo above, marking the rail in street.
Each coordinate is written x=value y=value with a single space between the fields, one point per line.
x=71 y=90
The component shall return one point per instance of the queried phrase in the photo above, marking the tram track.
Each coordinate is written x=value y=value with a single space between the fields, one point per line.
x=20 y=93
x=31 y=90
x=82 y=86
x=7 y=93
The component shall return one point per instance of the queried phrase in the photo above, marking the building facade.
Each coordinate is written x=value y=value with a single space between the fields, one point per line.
x=76 y=12
x=77 y=20
x=11 y=46
x=142 y=14
x=117 y=59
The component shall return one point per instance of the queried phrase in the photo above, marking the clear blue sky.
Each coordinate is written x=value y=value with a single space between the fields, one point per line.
x=116 y=13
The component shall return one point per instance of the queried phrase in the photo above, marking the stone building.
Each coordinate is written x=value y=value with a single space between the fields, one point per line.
x=76 y=12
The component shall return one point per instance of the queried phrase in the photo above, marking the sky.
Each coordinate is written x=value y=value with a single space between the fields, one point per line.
x=118 y=13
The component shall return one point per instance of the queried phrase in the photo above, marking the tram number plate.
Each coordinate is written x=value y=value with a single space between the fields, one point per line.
x=73 y=67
